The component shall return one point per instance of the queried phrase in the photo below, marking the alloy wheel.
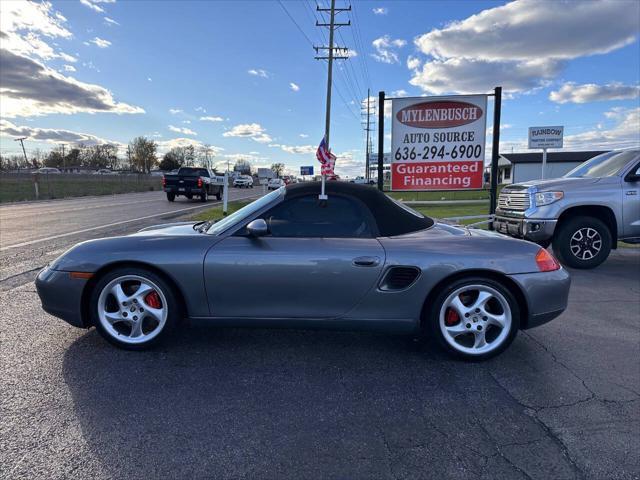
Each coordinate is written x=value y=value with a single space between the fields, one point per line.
x=475 y=319
x=585 y=243
x=132 y=309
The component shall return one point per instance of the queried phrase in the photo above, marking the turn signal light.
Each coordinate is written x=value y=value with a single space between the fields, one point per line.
x=546 y=262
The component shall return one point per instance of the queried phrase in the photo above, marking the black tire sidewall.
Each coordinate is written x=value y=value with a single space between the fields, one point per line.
x=172 y=315
x=433 y=321
x=562 y=240
x=171 y=197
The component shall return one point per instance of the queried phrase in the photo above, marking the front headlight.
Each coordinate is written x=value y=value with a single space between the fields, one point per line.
x=547 y=198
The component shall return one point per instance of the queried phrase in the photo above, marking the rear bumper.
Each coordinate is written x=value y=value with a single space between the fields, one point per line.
x=184 y=191
x=546 y=294
x=61 y=295
x=528 y=228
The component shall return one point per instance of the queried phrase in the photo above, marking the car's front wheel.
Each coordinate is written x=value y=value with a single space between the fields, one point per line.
x=133 y=308
x=582 y=242
x=474 y=318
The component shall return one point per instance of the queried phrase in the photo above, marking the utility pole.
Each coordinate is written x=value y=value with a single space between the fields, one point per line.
x=129 y=158
x=64 y=159
x=21 y=140
x=330 y=57
x=368 y=128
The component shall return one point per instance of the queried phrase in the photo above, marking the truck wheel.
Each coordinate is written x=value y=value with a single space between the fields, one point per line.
x=171 y=197
x=219 y=194
x=582 y=242
x=204 y=196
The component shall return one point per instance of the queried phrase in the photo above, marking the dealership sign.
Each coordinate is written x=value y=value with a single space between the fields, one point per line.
x=437 y=143
x=545 y=137
x=307 y=170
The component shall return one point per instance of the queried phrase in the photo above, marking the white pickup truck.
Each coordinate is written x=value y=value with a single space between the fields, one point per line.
x=583 y=214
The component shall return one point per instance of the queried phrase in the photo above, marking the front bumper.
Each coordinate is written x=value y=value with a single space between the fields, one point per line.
x=532 y=229
x=61 y=295
x=546 y=294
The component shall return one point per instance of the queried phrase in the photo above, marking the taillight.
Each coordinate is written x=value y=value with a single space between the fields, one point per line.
x=199 y=183
x=546 y=262
x=164 y=181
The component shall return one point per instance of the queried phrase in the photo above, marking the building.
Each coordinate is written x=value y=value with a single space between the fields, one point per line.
x=522 y=167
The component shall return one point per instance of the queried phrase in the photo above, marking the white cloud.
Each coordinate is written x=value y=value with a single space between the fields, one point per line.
x=380 y=11
x=69 y=68
x=92 y=6
x=259 y=72
x=182 y=130
x=294 y=87
x=100 y=42
x=624 y=134
x=200 y=109
x=186 y=122
x=413 y=62
x=110 y=21
x=175 y=111
x=475 y=76
x=386 y=49
x=165 y=145
x=29 y=88
x=297 y=149
x=254 y=131
x=573 y=93
x=399 y=93
x=49 y=135
x=303 y=135
x=211 y=119
x=512 y=38
x=149 y=79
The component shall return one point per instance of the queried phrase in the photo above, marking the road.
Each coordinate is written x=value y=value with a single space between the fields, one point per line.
x=562 y=402
x=33 y=233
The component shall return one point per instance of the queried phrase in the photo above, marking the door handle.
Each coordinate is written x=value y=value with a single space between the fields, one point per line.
x=366 y=261
x=631 y=192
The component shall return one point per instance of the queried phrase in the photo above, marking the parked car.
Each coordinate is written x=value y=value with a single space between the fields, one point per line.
x=583 y=214
x=104 y=171
x=193 y=182
x=243 y=181
x=48 y=171
x=359 y=260
x=362 y=180
x=275 y=183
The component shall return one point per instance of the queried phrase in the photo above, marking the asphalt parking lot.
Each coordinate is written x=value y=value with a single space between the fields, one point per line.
x=563 y=402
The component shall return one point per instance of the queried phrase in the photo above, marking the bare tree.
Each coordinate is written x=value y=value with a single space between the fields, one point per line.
x=278 y=169
x=143 y=154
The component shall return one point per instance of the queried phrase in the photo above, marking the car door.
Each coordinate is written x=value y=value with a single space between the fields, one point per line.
x=317 y=262
x=631 y=203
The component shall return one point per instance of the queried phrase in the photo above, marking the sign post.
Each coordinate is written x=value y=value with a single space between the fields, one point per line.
x=225 y=193
x=544 y=138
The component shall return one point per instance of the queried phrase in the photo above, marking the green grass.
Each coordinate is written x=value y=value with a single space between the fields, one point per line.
x=20 y=187
x=215 y=213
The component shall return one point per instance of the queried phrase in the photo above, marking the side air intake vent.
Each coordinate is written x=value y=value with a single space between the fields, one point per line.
x=399 y=278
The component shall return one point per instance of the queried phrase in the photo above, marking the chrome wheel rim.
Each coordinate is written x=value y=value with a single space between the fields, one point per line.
x=132 y=309
x=475 y=319
x=585 y=243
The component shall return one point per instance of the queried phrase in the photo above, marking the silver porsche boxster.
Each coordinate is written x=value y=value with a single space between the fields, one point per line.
x=359 y=260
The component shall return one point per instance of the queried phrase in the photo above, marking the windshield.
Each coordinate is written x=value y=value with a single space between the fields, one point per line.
x=237 y=216
x=605 y=165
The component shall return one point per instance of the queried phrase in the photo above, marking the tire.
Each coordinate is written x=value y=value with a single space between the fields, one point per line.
x=171 y=197
x=582 y=242
x=155 y=324
x=496 y=320
x=204 y=196
x=219 y=194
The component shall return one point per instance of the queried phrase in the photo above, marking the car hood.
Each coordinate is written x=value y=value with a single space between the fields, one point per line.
x=558 y=183
x=177 y=228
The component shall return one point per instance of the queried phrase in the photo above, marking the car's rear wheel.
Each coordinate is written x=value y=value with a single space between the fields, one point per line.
x=204 y=196
x=582 y=242
x=133 y=308
x=474 y=318
x=219 y=195
x=171 y=197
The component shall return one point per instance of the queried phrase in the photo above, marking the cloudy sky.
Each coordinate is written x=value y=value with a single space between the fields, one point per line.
x=241 y=75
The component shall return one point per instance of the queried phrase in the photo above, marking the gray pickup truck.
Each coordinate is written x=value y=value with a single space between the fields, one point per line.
x=583 y=214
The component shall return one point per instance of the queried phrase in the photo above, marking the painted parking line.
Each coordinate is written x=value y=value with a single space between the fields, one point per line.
x=114 y=224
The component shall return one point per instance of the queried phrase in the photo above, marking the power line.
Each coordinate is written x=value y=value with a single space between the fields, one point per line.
x=295 y=23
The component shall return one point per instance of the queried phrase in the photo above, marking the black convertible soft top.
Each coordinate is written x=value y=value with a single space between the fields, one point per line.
x=391 y=218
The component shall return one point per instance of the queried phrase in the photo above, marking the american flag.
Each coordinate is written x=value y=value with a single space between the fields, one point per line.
x=326 y=158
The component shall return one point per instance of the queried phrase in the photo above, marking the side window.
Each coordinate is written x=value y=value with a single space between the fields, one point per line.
x=306 y=217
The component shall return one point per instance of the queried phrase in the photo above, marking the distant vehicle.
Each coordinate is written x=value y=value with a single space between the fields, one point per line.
x=362 y=181
x=104 y=171
x=156 y=173
x=275 y=183
x=193 y=182
x=48 y=171
x=359 y=261
x=243 y=181
x=582 y=214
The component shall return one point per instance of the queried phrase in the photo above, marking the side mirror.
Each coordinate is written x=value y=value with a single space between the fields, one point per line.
x=257 y=228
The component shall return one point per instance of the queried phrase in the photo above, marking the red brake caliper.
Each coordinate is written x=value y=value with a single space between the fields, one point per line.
x=452 y=317
x=153 y=300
